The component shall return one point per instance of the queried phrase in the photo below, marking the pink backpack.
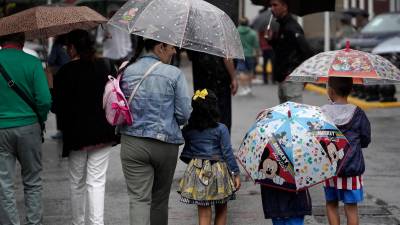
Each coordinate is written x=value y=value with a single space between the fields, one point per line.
x=115 y=104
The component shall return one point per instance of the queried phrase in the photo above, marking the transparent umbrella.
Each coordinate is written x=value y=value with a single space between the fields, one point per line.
x=190 y=24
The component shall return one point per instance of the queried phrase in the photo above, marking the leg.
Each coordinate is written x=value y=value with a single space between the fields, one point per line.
x=139 y=176
x=281 y=92
x=264 y=66
x=290 y=91
x=205 y=215
x=332 y=211
x=221 y=211
x=30 y=157
x=351 y=211
x=164 y=158
x=8 y=205
x=97 y=165
x=296 y=220
x=77 y=177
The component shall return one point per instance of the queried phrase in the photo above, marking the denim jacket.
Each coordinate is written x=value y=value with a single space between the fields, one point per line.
x=212 y=144
x=161 y=103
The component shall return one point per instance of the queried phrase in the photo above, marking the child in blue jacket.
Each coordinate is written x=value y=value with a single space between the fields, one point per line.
x=212 y=175
x=354 y=124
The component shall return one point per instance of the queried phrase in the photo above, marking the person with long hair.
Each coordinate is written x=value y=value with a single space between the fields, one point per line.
x=149 y=147
x=212 y=175
x=87 y=136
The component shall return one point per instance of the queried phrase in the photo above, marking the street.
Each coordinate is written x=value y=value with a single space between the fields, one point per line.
x=382 y=177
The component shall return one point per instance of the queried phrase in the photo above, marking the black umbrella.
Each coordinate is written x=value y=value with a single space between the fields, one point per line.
x=304 y=7
x=100 y=6
x=354 y=12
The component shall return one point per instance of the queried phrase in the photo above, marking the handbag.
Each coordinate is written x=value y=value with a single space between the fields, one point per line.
x=24 y=97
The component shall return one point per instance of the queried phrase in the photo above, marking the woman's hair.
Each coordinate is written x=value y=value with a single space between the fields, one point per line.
x=341 y=85
x=83 y=43
x=205 y=112
x=147 y=44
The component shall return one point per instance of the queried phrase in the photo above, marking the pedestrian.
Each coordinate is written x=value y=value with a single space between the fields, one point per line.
x=290 y=48
x=347 y=187
x=57 y=58
x=246 y=67
x=217 y=74
x=284 y=207
x=149 y=147
x=117 y=44
x=20 y=130
x=212 y=175
x=87 y=136
x=268 y=57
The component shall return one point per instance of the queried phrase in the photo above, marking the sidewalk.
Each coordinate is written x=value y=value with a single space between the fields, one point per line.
x=247 y=209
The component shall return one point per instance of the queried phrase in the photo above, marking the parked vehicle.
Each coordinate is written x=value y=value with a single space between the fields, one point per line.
x=380 y=28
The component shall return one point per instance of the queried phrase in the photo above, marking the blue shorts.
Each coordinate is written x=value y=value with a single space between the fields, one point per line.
x=247 y=65
x=346 y=196
x=296 y=220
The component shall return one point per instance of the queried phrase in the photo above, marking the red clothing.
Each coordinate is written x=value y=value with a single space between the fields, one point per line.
x=263 y=42
x=345 y=183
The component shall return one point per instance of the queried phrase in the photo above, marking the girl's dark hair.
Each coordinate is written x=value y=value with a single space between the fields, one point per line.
x=83 y=43
x=147 y=44
x=341 y=85
x=205 y=112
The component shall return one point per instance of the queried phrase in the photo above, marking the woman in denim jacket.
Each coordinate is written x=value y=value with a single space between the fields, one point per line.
x=149 y=147
x=212 y=175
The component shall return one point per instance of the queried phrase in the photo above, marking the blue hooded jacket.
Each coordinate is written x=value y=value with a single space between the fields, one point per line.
x=354 y=124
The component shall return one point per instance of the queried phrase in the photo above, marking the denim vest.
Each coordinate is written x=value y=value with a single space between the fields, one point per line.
x=161 y=103
x=212 y=144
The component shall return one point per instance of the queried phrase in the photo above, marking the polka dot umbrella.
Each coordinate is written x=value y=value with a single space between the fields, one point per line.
x=192 y=24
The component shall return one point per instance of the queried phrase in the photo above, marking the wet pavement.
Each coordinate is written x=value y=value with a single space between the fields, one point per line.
x=381 y=205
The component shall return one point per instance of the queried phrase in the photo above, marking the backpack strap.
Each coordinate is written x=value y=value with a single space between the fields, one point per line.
x=141 y=80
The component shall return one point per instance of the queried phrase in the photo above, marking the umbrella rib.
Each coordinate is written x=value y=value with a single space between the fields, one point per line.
x=187 y=20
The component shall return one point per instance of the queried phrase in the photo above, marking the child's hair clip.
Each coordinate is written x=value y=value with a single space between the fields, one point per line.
x=200 y=94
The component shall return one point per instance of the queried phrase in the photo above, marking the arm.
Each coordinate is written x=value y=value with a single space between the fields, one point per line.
x=302 y=44
x=227 y=151
x=42 y=97
x=183 y=106
x=230 y=67
x=365 y=131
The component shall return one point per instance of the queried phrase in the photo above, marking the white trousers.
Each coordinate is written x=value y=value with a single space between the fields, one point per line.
x=87 y=173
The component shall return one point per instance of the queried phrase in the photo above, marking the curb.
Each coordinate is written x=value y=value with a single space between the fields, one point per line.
x=360 y=103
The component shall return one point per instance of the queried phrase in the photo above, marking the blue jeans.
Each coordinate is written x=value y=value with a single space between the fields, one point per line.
x=22 y=144
x=298 y=220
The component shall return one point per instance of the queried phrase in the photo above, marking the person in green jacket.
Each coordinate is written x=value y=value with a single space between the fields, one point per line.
x=251 y=49
x=20 y=132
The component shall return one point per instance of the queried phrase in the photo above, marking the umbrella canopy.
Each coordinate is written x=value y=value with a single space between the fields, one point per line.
x=47 y=21
x=363 y=67
x=304 y=7
x=389 y=46
x=192 y=24
x=292 y=146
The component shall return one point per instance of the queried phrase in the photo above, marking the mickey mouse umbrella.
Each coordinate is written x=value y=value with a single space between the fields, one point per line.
x=292 y=147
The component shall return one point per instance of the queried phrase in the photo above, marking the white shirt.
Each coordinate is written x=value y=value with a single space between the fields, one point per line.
x=116 y=43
